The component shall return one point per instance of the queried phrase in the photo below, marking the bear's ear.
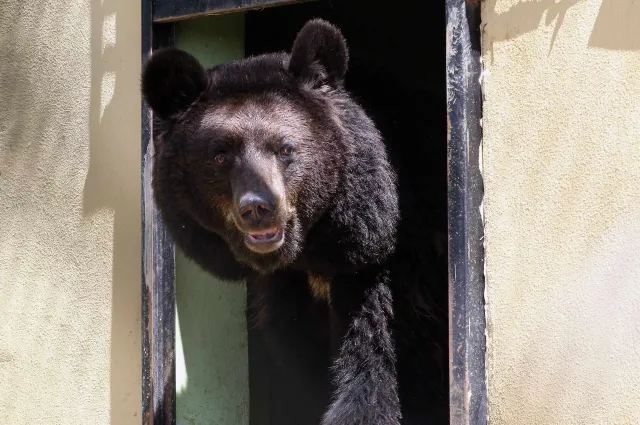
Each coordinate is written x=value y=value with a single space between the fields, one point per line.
x=319 y=55
x=172 y=80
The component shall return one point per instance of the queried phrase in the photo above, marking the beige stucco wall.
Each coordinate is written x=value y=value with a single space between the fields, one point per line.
x=562 y=209
x=69 y=212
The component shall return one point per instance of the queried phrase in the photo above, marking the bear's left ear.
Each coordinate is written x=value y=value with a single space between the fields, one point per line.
x=171 y=81
x=319 y=55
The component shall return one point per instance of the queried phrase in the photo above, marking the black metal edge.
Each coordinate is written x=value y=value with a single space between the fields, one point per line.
x=158 y=277
x=147 y=405
x=175 y=10
x=467 y=325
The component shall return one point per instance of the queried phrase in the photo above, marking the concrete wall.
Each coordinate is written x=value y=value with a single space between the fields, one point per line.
x=562 y=209
x=69 y=212
x=212 y=365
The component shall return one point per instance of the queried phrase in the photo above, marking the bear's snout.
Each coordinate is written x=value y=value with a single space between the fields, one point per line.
x=257 y=202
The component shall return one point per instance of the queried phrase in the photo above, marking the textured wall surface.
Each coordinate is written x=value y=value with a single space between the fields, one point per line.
x=69 y=212
x=562 y=209
x=212 y=355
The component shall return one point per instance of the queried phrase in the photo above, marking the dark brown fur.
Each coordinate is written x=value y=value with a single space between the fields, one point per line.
x=335 y=197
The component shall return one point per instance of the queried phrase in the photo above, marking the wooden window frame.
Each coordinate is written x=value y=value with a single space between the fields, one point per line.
x=178 y=10
x=467 y=326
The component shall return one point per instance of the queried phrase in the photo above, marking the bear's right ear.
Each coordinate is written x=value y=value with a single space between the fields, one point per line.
x=172 y=80
x=319 y=55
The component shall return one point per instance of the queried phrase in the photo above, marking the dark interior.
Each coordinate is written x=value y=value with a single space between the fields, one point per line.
x=397 y=73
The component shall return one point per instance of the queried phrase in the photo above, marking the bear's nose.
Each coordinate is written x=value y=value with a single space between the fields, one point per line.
x=255 y=208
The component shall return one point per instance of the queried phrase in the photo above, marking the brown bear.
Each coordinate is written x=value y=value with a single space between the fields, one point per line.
x=267 y=169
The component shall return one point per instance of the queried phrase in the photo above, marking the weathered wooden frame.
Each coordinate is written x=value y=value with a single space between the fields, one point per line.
x=466 y=253
x=158 y=271
x=467 y=326
x=177 y=10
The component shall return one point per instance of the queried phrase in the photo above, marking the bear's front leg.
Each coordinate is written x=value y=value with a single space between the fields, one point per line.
x=365 y=370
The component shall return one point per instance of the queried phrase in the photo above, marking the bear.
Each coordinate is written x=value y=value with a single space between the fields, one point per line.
x=267 y=169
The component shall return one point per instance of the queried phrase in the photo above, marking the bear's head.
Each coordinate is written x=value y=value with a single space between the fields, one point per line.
x=269 y=158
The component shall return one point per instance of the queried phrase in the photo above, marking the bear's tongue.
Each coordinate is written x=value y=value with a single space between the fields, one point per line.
x=264 y=235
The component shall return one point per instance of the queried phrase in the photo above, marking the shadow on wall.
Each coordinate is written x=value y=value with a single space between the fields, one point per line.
x=525 y=17
x=22 y=93
x=113 y=182
x=617 y=26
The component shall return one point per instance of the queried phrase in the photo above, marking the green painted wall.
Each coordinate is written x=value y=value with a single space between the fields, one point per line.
x=211 y=359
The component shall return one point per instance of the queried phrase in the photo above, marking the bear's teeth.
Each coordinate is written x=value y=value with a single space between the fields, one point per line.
x=264 y=235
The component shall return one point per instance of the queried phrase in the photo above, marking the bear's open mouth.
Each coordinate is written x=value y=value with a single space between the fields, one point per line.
x=267 y=236
x=265 y=241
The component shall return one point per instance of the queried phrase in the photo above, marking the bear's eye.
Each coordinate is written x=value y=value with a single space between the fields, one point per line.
x=220 y=159
x=286 y=151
